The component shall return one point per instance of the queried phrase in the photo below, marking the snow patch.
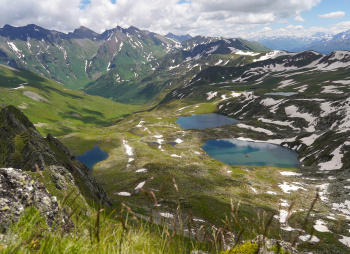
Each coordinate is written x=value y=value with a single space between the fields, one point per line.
x=331 y=89
x=306 y=238
x=233 y=94
x=173 y=67
x=21 y=86
x=124 y=193
x=286 y=188
x=166 y=215
x=140 y=123
x=292 y=111
x=212 y=49
x=320 y=226
x=178 y=140
x=140 y=185
x=289 y=173
x=257 y=129
x=335 y=162
x=272 y=55
x=286 y=83
x=246 y=53
x=270 y=102
x=343 y=82
x=278 y=123
x=128 y=149
x=343 y=208
x=310 y=140
x=271 y=192
x=345 y=240
x=219 y=62
x=211 y=95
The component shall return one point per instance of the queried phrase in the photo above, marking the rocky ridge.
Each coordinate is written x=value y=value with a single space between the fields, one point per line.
x=22 y=146
x=18 y=191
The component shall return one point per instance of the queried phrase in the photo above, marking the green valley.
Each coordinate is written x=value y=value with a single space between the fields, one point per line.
x=122 y=91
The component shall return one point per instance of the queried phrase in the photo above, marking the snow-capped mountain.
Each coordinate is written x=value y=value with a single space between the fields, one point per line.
x=290 y=43
x=340 y=41
x=77 y=58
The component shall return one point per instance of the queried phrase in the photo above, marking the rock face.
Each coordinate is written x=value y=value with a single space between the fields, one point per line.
x=22 y=146
x=18 y=190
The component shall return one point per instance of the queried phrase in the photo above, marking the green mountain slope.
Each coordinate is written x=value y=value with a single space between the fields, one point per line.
x=174 y=69
x=77 y=58
x=52 y=107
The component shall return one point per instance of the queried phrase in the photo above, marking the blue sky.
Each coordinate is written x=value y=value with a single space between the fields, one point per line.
x=227 y=18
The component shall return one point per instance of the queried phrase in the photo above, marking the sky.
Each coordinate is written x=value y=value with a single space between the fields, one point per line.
x=226 y=18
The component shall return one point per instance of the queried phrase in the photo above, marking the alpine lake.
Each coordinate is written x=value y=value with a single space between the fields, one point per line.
x=236 y=151
x=229 y=151
x=93 y=156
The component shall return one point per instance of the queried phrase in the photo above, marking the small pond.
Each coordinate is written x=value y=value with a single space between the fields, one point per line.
x=239 y=152
x=282 y=93
x=204 y=121
x=93 y=156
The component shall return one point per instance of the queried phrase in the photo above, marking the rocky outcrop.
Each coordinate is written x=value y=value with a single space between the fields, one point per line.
x=18 y=190
x=22 y=146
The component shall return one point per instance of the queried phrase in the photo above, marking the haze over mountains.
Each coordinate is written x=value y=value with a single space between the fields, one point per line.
x=320 y=42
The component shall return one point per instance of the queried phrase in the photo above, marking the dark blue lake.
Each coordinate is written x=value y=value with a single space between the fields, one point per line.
x=93 y=156
x=239 y=152
x=204 y=121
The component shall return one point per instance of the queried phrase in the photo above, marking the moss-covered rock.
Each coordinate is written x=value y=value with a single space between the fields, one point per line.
x=18 y=191
x=22 y=146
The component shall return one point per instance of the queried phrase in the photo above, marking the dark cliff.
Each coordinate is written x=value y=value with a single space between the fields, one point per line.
x=22 y=146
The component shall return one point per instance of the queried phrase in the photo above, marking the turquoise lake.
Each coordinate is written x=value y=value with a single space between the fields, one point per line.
x=93 y=156
x=204 y=121
x=239 y=152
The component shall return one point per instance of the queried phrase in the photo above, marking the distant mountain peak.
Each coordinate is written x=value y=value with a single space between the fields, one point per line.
x=23 y=32
x=83 y=33
x=179 y=38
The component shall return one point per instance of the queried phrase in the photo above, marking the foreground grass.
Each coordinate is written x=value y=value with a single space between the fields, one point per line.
x=101 y=234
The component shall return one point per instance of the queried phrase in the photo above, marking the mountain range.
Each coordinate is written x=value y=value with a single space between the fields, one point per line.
x=77 y=58
x=320 y=42
x=123 y=90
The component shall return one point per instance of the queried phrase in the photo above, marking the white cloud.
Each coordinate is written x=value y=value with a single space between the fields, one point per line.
x=333 y=15
x=298 y=31
x=266 y=28
x=299 y=19
x=58 y=14
x=206 y=17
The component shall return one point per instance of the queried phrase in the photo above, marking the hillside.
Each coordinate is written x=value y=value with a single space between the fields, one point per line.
x=311 y=84
x=174 y=69
x=52 y=107
x=77 y=58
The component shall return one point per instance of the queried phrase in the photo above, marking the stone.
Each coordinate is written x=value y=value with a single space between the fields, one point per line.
x=19 y=190
x=22 y=146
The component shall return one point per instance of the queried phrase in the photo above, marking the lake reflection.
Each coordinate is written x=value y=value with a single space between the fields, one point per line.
x=239 y=152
